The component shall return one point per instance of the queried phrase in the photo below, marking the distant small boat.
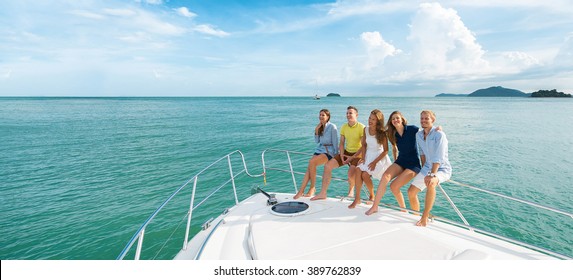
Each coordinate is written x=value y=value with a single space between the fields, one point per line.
x=316 y=97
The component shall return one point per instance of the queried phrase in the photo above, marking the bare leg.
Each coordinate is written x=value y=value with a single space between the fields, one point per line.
x=400 y=181
x=358 y=181
x=310 y=174
x=352 y=170
x=428 y=204
x=369 y=185
x=413 y=197
x=314 y=162
x=302 y=185
x=326 y=176
x=392 y=171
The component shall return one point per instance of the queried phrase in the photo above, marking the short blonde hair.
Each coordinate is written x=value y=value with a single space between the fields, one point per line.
x=429 y=112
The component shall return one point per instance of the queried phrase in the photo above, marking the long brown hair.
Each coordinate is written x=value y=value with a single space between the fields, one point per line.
x=321 y=128
x=391 y=130
x=380 y=129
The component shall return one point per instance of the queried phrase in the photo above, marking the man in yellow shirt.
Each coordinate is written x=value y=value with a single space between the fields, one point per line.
x=350 y=142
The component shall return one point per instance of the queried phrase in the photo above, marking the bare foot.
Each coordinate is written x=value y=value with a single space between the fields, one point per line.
x=422 y=222
x=318 y=196
x=354 y=203
x=297 y=195
x=372 y=210
x=310 y=192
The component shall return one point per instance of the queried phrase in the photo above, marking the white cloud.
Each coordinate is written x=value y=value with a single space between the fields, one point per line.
x=151 y=23
x=86 y=14
x=185 y=12
x=154 y=2
x=348 y=8
x=210 y=30
x=439 y=46
x=443 y=45
x=554 y=6
x=137 y=19
x=137 y=37
x=377 y=48
x=520 y=59
x=120 y=12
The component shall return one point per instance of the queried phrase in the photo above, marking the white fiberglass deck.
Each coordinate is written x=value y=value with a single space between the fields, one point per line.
x=329 y=230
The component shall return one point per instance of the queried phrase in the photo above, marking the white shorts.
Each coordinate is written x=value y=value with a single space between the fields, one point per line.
x=419 y=183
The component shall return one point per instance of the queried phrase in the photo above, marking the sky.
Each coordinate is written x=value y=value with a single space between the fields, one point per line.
x=283 y=48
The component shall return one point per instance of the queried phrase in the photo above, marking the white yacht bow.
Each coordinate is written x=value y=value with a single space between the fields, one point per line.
x=276 y=227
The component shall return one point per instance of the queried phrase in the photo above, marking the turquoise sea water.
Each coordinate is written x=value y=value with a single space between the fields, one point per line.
x=78 y=176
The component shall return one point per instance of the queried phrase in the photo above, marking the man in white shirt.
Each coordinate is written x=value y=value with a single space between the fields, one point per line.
x=436 y=168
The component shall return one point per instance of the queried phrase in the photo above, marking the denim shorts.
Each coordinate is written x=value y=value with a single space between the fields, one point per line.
x=327 y=155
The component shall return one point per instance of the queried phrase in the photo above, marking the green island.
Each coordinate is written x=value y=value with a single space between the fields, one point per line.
x=549 y=93
x=498 y=91
x=333 y=94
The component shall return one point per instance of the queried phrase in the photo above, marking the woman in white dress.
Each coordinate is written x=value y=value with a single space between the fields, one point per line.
x=376 y=160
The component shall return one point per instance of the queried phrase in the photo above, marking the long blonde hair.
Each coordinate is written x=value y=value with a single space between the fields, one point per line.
x=391 y=130
x=380 y=129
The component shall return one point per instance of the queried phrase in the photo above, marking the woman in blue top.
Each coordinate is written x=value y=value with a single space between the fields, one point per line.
x=406 y=164
x=326 y=135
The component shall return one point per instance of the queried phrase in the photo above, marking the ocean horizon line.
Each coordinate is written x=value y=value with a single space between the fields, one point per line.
x=199 y=96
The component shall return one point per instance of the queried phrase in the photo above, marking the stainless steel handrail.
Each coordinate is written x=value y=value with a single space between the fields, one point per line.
x=536 y=205
x=454 y=205
x=141 y=231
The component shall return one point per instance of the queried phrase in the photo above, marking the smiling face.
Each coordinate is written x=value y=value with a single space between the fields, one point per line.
x=351 y=115
x=376 y=119
x=324 y=116
x=397 y=119
x=427 y=119
x=372 y=120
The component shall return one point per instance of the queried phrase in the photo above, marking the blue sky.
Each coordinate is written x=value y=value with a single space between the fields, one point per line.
x=282 y=48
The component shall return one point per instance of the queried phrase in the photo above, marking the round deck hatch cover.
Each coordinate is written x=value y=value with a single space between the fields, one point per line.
x=290 y=208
